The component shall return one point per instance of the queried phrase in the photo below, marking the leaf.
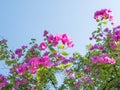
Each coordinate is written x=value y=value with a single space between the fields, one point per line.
x=2 y=57
x=105 y=22
x=61 y=47
x=52 y=49
x=67 y=65
x=64 y=53
x=9 y=62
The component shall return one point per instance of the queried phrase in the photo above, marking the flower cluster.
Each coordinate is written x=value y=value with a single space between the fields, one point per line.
x=36 y=61
x=69 y=72
x=87 y=67
x=96 y=46
x=19 y=82
x=4 y=41
x=3 y=81
x=55 y=39
x=113 y=45
x=18 y=52
x=43 y=46
x=22 y=68
x=81 y=81
x=103 y=14
x=116 y=33
x=35 y=67
x=102 y=58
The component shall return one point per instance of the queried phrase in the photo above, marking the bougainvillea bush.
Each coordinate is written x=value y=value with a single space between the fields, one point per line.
x=33 y=66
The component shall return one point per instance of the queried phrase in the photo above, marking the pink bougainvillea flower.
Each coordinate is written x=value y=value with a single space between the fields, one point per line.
x=43 y=46
x=19 y=82
x=3 y=81
x=23 y=47
x=18 y=52
x=33 y=71
x=113 y=45
x=22 y=68
x=109 y=60
x=54 y=40
x=70 y=43
x=102 y=47
x=12 y=56
x=95 y=46
x=35 y=62
x=4 y=40
x=102 y=59
x=46 y=61
x=66 y=40
x=116 y=33
x=71 y=76
x=103 y=14
x=50 y=38
x=87 y=67
x=45 y=33
x=68 y=71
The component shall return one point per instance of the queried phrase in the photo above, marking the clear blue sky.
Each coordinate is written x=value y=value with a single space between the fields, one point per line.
x=21 y=20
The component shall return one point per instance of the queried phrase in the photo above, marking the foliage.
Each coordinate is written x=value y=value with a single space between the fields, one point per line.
x=32 y=67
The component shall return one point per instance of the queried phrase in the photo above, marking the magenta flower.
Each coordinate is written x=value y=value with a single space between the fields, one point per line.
x=113 y=45
x=77 y=84
x=87 y=67
x=50 y=38
x=4 y=41
x=24 y=81
x=45 y=33
x=54 y=39
x=102 y=59
x=34 y=64
x=116 y=33
x=12 y=56
x=3 y=81
x=22 y=68
x=46 y=61
x=65 y=38
x=35 y=46
x=103 y=14
x=68 y=71
x=43 y=46
x=33 y=71
x=71 y=76
x=109 y=60
x=18 y=52
x=106 y=30
x=102 y=47
x=100 y=34
x=23 y=47
x=95 y=46
x=36 y=61
x=19 y=82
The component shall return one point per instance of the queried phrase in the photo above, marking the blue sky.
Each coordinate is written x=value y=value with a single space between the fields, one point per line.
x=21 y=20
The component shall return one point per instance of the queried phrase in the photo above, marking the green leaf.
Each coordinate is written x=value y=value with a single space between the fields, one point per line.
x=52 y=49
x=64 y=53
x=105 y=22
x=9 y=62
x=61 y=47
